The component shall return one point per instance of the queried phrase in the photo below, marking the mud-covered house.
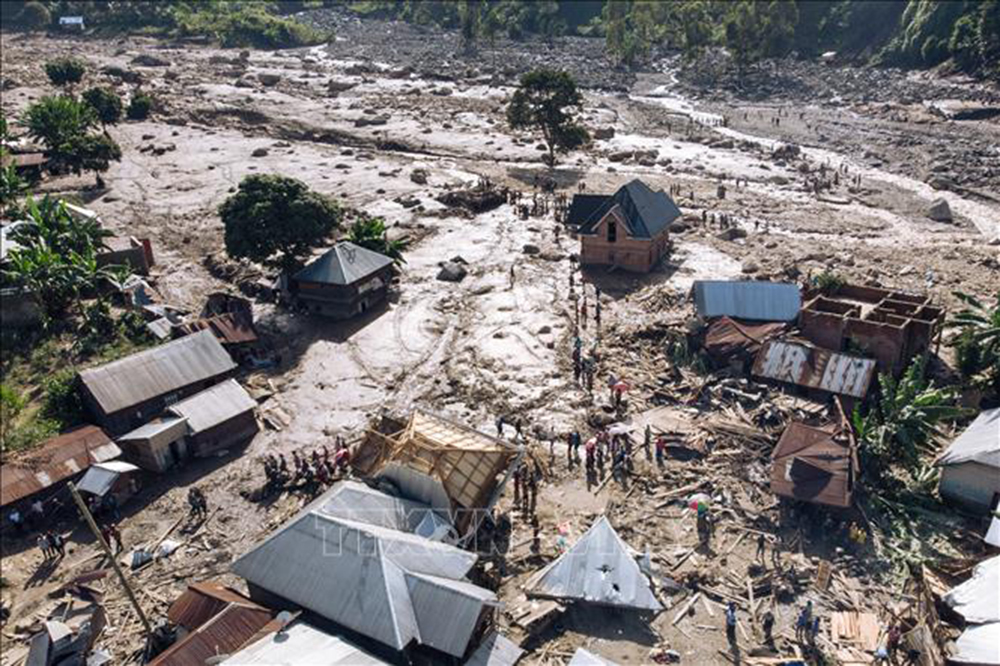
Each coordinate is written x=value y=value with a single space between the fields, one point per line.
x=345 y=281
x=629 y=229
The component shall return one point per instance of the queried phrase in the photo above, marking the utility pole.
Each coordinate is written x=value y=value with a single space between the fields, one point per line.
x=114 y=562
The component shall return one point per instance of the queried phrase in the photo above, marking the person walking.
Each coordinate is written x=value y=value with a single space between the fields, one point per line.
x=731 y=624
x=58 y=543
x=761 y=544
x=512 y=276
x=661 y=446
x=769 y=629
x=44 y=545
x=647 y=443
x=499 y=423
x=804 y=623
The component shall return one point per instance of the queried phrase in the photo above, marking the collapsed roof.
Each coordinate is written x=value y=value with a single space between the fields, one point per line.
x=437 y=461
x=598 y=569
x=366 y=574
x=815 y=464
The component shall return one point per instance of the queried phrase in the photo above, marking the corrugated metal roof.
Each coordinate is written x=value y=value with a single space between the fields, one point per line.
x=598 y=569
x=813 y=465
x=584 y=206
x=434 y=598
x=154 y=428
x=301 y=644
x=815 y=368
x=345 y=263
x=357 y=502
x=977 y=599
x=586 y=658
x=759 y=301
x=55 y=460
x=977 y=645
x=101 y=476
x=155 y=372
x=726 y=339
x=356 y=574
x=646 y=212
x=201 y=602
x=495 y=650
x=225 y=633
x=979 y=443
x=214 y=406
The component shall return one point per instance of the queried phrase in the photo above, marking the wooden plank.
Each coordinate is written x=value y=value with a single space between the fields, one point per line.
x=684 y=609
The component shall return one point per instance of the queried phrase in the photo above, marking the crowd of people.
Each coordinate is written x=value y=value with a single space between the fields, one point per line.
x=317 y=470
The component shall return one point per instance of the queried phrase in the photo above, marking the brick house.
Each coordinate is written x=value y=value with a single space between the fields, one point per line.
x=629 y=229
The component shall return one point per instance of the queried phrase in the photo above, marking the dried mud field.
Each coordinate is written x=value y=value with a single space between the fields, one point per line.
x=356 y=125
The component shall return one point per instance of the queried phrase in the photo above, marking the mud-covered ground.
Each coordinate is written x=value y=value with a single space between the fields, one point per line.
x=354 y=120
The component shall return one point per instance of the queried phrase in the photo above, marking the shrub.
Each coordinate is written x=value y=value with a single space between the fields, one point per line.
x=61 y=401
x=140 y=106
x=829 y=283
x=105 y=103
x=56 y=119
x=65 y=71
x=34 y=16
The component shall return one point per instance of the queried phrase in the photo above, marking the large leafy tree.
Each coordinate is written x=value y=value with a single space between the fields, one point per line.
x=63 y=124
x=371 y=233
x=275 y=220
x=547 y=101
x=11 y=183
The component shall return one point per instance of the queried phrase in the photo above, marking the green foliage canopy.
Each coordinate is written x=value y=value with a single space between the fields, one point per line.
x=65 y=71
x=547 y=101
x=275 y=220
x=107 y=105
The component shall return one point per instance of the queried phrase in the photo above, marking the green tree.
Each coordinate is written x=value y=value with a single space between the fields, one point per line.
x=898 y=431
x=11 y=406
x=275 y=220
x=91 y=152
x=107 y=105
x=55 y=119
x=978 y=341
x=371 y=233
x=12 y=186
x=470 y=19
x=34 y=16
x=65 y=72
x=547 y=101
x=50 y=221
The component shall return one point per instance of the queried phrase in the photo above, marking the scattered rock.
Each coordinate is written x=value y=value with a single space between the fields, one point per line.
x=732 y=233
x=530 y=248
x=604 y=133
x=339 y=85
x=778 y=179
x=452 y=272
x=269 y=78
x=942 y=183
x=259 y=152
x=148 y=60
x=940 y=211
x=419 y=176
x=750 y=266
x=545 y=330
x=444 y=91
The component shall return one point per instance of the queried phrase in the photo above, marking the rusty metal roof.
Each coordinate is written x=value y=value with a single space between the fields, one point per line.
x=814 y=464
x=230 y=328
x=727 y=339
x=158 y=371
x=813 y=367
x=228 y=631
x=55 y=460
x=201 y=602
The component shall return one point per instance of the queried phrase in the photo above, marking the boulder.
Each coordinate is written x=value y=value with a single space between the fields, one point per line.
x=268 y=78
x=366 y=122
x=620 y=156
x=940 y=211
x=147 y=60
x=604 y=133
x=750 y=266
x=732 y=233
x=452 y=272
x=778 y=179
x=419 y=176
x=259 y=152
x=530 y=248
x=338 y=85
x=942 y=183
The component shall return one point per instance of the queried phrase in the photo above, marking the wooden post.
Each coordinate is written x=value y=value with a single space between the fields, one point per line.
x=107 y=551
